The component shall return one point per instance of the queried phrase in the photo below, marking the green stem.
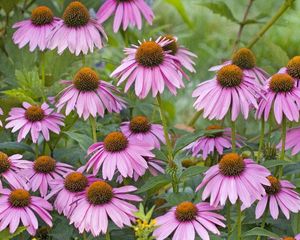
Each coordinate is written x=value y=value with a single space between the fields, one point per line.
x=233 y=136
x=285 y=6
x=263 y=223
x=194 y=119
x=261 y=140
x=84 y=236
x=283 y=140
x=42 y=66
x=94 y=128
x=107 y=235
x=228 y=218
x=239 y=220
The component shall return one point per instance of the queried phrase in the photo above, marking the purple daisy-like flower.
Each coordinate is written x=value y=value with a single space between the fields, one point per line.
x=234 y=178
x=231 y=90
x=292 y=140
x=117 y=152
x=216 y=141
x=34 y=119
x=101 y=202
x=19 y=206
x=89 y=95
x=139 y=129
x=35 y=31
x=77 y=31
x=293 y=69
x=150 y=67
x=127 y=13
x=245 y=59
x=43 y=171
x=9 y=168
x=280 y=194
x=186 y=219
x=281 y=95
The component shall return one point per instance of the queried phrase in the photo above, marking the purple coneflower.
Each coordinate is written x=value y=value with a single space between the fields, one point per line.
x=19 y=206
x=234 y=178
x=293 y=69
x=117 y=152
x=89 y=95
x=77 y=31
x=35 y=30
x=34 y=119
x=297 y=237
x=42 y=171
x=231 y=90
x=280 y=194
x=150 y=67
x=127 y=13
x=245 y=59
x=185 y=219
x=98 y=203
x=292 y=140
x=139 y=129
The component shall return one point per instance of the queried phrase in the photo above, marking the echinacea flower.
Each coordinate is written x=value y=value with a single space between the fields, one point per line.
x=150 y=67
x=101 y=202
x=68 y=189
x=282 y=97
x=89 y=95
x=139 y=129
x=231 y=90
x=280 y=194
x=19 y=206
x=183 y=55
x=215 y=141
x=9 y=168
x=77 y=31
x=186 y=219
x=42 y=171
x=234 y=178
x=297 y=237
x=117 y=152
x=292 y=140
x=245 y=59
x=293 y=69
x=127 y=13
x=34 y=119
x=35 y=30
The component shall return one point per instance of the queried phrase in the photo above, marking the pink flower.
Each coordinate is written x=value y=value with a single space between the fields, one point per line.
x=283 y=96
x=42 y=171
x=231 y=90
x=19 y=206
x=234 y=178
x=185 y=219
x=127 y=13
x=293 y=69
x=35 y=119
x=89 y=95
x=101 y=201
x=292 y=140
x=68 y=190
x=35 y=30
x=117 y=152
x=139 y=129
x=245 y=59
x=77 y=31
x=9 y=167
x=150 y=67
x=211 y=142
x=281 y=194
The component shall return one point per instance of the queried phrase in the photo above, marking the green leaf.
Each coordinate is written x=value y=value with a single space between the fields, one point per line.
x=261 y=232
x=181 y=10
x=186 y=140
x=16 y=146
x=155 y=182
x=193 y=171
x=275 y=163
x=176 y=198
x=83 y=140
x=5 y=235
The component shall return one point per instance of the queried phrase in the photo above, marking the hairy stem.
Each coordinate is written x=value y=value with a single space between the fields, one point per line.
x=261 y=140
x=283 y=140
x=194 y=119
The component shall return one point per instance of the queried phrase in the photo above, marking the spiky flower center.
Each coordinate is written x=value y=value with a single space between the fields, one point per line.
x=293 y=67
x=289 y=238
x=230 y=76
x=41 y=15
x=86 y=80
x=76 y=15
x=75 y=182
x=34 y=113
x=244 y=58
x=172 y=46
x=149 y=54
x=231 y=164
x=115 y=142
x=275 y=186
x=140 y=124
x=44 y=164
x=281 y=83
x=4 y=162
x=19 y=198
x=99 y=193
x=186 y=211
x=214 y=127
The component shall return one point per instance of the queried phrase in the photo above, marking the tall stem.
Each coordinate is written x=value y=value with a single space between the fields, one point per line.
x=263 y=223
x=94 y=128
x=261 y=140
x=285 y=6
x=239 y=220
x=283 y=140
x=42 y=67
x=107 y=235
x=194 y=119
x=228 y=217
x=233 y=136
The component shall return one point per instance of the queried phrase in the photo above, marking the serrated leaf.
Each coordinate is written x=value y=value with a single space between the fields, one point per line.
x=260 y=232
x=5 y=235
x=16 y=146
x=154 y=182
x=192 y=171
x=181 y=10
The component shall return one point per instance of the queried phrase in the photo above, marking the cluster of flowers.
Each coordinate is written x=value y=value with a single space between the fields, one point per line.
x=89 y=201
